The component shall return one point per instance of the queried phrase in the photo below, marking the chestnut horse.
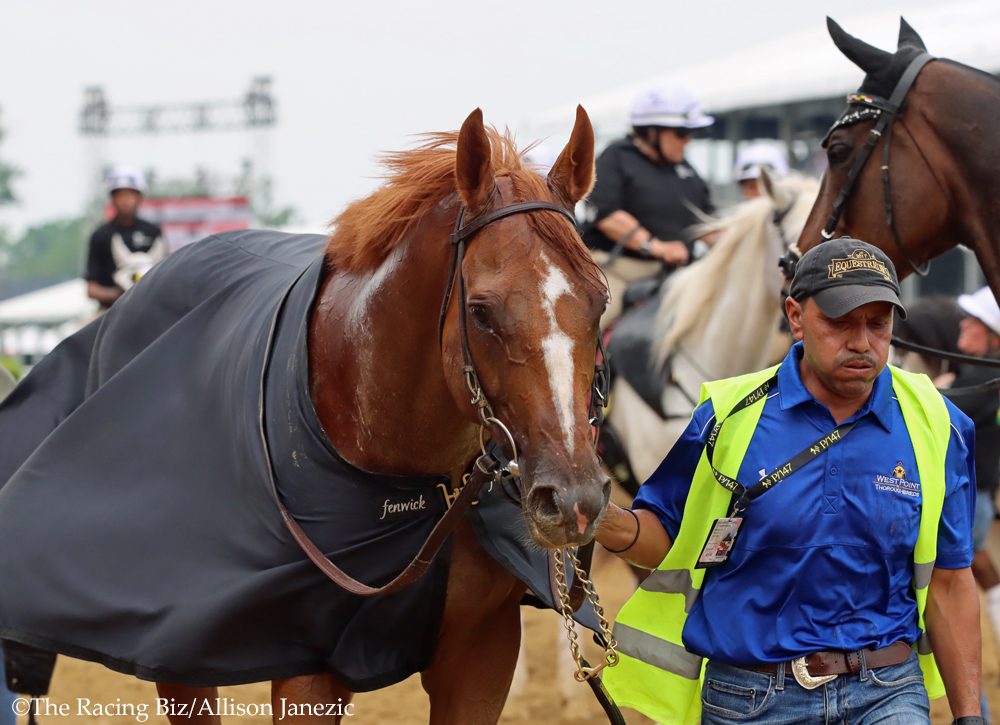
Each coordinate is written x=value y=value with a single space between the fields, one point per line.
x=456 y=300
x=940 y=185
x=389 y=388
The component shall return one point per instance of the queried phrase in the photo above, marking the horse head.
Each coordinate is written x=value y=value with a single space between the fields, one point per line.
x=131 y=266
x=912 y=218
x=732 y=294
x=532 y=303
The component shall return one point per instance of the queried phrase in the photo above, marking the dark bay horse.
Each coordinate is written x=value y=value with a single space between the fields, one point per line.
x=394 y=399
x=918 y=174
x=460 y=286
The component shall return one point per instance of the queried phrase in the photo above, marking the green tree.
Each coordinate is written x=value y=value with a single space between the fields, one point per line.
x=7 y=175
x=51 y=250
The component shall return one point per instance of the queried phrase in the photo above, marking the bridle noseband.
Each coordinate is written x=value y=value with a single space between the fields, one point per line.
x=460 y=237
x=861 y=107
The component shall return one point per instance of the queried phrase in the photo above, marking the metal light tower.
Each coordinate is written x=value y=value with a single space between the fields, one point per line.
x=255 y=111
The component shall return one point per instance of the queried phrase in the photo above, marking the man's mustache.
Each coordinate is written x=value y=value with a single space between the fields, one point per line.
x=866 y=359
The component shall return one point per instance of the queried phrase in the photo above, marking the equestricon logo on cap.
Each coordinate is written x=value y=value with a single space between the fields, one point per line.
x=860 y=260
x=845 y=273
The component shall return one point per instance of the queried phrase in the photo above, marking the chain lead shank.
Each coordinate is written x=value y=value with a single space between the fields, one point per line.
x=610 y=659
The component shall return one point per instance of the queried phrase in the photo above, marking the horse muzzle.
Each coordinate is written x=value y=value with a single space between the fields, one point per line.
x=560 y=513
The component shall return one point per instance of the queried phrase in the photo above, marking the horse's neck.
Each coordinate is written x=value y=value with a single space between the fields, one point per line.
x=376 y=374
x=961 y=110
x=721 y=349
x=737 y=319
x=961 y=117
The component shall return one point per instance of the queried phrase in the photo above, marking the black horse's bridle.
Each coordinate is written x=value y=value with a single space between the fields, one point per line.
x=460 y=237
x=862 y=107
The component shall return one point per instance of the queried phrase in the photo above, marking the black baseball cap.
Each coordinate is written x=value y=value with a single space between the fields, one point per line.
x=845 y=273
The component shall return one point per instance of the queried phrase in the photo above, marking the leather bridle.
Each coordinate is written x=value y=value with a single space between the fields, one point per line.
x=460 y=238
x=861 y=107
x=488 y=466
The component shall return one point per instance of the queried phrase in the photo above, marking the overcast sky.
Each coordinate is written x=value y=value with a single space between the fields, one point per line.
x=351 y=78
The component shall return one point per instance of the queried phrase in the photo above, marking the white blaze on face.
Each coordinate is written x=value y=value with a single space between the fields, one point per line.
x=557 y=348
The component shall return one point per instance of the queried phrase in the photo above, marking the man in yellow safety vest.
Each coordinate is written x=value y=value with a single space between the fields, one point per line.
x=810 y=532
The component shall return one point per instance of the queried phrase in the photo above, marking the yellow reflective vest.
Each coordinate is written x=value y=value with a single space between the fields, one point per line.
x=657 y=675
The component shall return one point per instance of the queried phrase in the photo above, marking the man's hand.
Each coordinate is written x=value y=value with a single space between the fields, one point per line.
x=952 y=620
x=673 y=253
x=104 y=295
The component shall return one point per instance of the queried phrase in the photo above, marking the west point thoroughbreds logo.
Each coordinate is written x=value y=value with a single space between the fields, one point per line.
x=897 y=482
x=860 y=260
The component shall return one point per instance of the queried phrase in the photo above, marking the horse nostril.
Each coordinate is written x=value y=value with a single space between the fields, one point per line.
x=545 y=503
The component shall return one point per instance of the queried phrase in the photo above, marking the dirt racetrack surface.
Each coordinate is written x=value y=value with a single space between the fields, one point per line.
x=544 y=693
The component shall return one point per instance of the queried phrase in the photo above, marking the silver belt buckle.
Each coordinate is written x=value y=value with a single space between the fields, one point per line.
x=800 y=670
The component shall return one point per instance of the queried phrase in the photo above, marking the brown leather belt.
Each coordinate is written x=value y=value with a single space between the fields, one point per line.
x=821 y=664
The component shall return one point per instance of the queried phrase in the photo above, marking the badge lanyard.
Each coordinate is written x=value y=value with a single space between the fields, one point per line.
x=724 y=530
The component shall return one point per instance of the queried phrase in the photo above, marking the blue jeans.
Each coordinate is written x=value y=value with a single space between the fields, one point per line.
x=982 y=520
x=893 y=695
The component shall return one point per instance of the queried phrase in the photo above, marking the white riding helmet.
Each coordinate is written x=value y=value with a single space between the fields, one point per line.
x=751 y=158
x=124 y=177
x=982 y=305
x=668 y=108
x=542 y=157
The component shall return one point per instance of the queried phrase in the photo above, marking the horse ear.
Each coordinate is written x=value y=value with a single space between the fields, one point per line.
x=908 y=36
x=866 y=57
x=474 y=163
x=572 y=175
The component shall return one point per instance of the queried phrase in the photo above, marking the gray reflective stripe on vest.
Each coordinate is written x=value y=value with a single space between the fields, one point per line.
x=657 y=652
x=922 y=574
x=672 y=581
x=924 y=644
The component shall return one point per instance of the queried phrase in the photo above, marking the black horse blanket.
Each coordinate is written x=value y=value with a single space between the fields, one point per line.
x=138 y=526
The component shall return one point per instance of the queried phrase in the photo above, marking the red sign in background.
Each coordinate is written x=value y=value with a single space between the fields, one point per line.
x=188 y=219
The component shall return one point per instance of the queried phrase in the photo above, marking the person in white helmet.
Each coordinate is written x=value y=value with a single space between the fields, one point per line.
x=125 y=247
x=641 y=210
x=751 y=159
x=979 y=336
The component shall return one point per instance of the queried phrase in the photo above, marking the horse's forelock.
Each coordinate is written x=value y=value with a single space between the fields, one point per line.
x=417 y=180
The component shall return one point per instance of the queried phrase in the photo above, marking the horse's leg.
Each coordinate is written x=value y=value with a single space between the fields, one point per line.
x=477 y=648
x=519 y=685
x=178 y=698
x=320 y=690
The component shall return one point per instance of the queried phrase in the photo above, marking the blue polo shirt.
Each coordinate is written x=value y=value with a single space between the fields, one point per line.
x=824 y=560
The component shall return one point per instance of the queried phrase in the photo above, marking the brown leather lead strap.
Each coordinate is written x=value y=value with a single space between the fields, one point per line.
x=418 y=565
x=484 y=469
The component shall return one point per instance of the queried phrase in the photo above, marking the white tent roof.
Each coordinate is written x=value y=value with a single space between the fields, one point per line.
x=60 y=303
x=799 y=66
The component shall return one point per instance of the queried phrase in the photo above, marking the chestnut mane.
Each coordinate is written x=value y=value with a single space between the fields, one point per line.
x=418 y=180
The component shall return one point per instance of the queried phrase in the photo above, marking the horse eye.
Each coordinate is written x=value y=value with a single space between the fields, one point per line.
x=838 y=153
x=481 y=316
